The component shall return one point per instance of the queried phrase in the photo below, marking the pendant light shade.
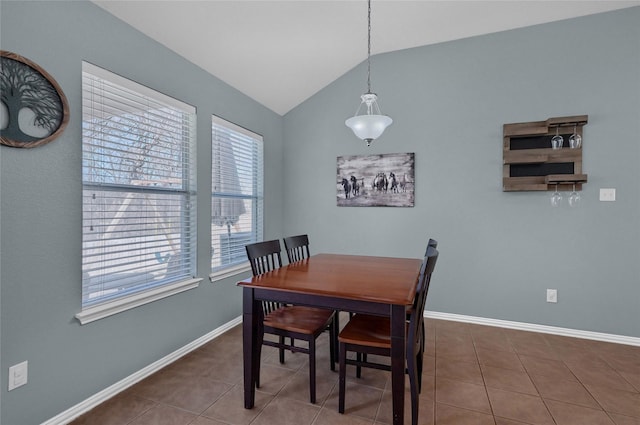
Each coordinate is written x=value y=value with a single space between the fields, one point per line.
x=371 y=124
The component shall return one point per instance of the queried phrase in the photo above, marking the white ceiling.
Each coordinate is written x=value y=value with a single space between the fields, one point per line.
x=282 y=52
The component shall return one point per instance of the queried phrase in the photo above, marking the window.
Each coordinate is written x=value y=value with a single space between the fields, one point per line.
x=138 y=203
x=236 y=196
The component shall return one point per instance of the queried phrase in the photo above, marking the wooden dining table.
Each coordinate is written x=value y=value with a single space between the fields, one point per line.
x=383 y=286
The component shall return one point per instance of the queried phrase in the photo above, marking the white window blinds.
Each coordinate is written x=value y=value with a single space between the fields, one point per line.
x=237 y=193
x=138 y=174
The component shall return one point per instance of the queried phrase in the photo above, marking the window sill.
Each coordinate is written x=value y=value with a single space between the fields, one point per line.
x=110 y=308
x=231 y=271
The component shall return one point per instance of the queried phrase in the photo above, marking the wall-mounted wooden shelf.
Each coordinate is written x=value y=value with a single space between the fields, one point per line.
x=529 y=162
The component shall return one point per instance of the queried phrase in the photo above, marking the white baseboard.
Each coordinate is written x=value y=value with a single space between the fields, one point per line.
x=93 y=401
x=597 y=336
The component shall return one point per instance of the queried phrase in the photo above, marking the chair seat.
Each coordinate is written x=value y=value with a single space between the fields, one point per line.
x=369 y=330
x=300 y=319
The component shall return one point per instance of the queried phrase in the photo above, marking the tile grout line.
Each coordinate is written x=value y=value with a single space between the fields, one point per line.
x=484 y=382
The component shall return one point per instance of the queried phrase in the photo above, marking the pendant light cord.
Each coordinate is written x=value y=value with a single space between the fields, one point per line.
x=369 y=125
x=369 y=51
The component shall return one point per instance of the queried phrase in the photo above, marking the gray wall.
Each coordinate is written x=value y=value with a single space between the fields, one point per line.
x=499 y=250
x=41 y=217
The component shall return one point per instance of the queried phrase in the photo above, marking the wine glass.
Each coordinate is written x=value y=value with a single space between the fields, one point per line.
x=575 y=140
x=556 y=198
x=557 y=140
x=574 y=197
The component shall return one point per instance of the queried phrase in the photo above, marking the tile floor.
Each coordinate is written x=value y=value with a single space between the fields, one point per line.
x=474 y=375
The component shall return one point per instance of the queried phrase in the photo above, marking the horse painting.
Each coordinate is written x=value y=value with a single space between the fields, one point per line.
x=375 y=180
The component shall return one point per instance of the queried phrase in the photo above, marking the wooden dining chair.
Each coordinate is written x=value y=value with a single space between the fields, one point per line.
x=368 y=334
x=297 y=247
x=290 y=321
x=432 y=243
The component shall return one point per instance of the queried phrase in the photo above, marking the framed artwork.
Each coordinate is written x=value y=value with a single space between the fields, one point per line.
x=33 y=108
x=385 y=180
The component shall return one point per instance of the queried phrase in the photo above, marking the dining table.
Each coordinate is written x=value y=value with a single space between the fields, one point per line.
x=383 y=286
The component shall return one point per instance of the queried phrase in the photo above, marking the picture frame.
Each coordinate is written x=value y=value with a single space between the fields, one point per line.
x=380 y=180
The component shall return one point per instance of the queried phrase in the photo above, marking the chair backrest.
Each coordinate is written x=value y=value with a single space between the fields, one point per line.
x=432 y=243
x=264 y=256
x=297 y=247
x=417 y=315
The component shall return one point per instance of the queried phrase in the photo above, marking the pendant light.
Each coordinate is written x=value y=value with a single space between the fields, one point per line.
x=371 y=124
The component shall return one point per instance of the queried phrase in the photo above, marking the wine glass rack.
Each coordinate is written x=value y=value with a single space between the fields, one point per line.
x=529 y=162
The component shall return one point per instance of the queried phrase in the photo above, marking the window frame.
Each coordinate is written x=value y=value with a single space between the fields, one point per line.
x=143 y=292
x=256 y=197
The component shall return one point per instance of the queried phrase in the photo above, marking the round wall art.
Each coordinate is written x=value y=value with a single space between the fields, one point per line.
x=33 y=109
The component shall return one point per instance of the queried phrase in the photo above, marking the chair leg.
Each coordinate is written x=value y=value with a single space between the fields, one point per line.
x=332 y=346
x=423 y=342
x=414 y=408
x=336 y=329
x=420 y=357
x=312 y=370
x=361 y=357
x=419 y=362
x=281 y=350
x=342 y=377
x=413 y=383
x=259 y=356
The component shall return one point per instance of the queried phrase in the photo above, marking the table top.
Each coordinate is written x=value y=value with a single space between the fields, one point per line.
x=365 y=278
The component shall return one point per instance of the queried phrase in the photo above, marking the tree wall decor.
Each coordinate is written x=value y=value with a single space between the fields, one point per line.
x=33 y=108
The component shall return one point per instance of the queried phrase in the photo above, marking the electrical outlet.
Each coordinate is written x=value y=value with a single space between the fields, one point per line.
x=608 y=195
x=18 y=375
x=552 y=295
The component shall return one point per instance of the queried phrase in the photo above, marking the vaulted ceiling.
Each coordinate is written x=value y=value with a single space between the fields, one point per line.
x=282 y=52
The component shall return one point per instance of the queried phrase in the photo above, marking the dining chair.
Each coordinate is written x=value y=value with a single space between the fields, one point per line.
x=432 y=243
x=290 y=321
x=297 y=247
x=368 y=334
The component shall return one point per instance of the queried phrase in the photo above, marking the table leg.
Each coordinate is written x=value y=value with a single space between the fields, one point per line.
x=250 y=326
x=398 y=355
